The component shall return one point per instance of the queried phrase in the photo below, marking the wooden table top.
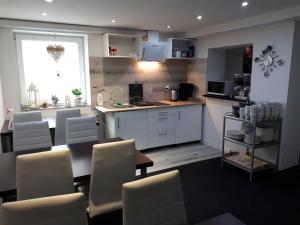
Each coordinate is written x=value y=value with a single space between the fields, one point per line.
x=81 y=158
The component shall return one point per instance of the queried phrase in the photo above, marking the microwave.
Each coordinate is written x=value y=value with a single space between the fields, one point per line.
x=223 y=88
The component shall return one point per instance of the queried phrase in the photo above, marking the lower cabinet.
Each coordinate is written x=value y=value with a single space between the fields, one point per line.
x=128 y=125
x=189 y=124
x=156 y=127
x=161 y=127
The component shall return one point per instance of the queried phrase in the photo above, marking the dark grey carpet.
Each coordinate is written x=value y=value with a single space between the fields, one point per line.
x=209 y=190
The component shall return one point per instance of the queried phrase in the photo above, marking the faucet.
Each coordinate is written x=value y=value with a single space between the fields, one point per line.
x=113 y=91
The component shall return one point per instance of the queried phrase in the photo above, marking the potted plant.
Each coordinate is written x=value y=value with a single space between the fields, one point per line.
x=54 y=100
x=77 y=93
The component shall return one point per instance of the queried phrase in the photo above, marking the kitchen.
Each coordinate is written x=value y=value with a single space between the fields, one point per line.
x=188 y=88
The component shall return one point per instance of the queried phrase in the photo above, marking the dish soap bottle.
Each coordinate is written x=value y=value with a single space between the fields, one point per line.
x=100 y=100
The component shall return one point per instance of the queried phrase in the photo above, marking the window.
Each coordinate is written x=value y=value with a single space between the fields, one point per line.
x=50 y=77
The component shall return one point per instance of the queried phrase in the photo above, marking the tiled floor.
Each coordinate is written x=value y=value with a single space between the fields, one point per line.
x=173 y=156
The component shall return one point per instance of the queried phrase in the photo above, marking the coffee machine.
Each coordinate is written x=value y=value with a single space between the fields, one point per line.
x=242 y=83
x=185 y=91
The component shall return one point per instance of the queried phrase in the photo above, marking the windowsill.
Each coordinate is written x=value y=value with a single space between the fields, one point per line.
x=27 y=109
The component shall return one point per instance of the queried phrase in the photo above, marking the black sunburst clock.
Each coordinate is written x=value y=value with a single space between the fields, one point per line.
x=268 y=60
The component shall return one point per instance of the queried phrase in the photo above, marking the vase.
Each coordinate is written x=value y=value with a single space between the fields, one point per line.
x=78 y=101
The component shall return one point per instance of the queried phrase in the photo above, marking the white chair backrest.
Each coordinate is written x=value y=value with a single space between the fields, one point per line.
x=81 y=129
x=44 y=174
x=22 y=117
x=31 y=135
x=61 y=117
x=154 y=200
x=113 y=164
x=60 y=210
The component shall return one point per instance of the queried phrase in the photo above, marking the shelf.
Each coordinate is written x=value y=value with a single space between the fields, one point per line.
x=229 y=116
x=125 y=45
x=119 y=57
x=243 y=162
x=186 y=58
x=262 y=145
x=181 y=44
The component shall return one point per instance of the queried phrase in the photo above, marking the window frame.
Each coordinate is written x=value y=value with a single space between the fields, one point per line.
x=80 y=39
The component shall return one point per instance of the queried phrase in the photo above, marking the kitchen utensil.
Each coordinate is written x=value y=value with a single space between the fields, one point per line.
x=174 y=96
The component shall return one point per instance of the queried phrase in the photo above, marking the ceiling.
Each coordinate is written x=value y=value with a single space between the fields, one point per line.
x=140 y=14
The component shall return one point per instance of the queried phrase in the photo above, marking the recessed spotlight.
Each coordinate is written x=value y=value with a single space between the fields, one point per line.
x=245 y=4
x=44 y=14
x=113 y=21
x=49 y=1
x=169 y=26
x=199 y=17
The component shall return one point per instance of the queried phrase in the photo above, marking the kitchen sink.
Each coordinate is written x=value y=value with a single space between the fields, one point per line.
x=143 y=104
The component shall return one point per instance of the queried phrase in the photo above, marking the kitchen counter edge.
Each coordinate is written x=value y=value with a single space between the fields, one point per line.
x=171 y=104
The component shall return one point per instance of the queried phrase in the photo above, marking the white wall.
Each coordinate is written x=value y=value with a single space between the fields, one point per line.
x=9 y=70
x=216 y=62
x=273 y=88
x=290 y=142
x=234 y=62
x=1 y=108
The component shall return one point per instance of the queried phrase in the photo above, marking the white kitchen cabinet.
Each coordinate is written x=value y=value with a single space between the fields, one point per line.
x=128 y=125
x=188 y=124
x=161 y=127
x=126 y=45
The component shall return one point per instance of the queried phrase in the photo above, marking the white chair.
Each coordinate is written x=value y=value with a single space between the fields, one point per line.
x=113 y=164
x=31 y=135
x=61 y=117
x=44 y=174
x=55 y=210
x=154 y=200
x=22 y=117
x=81 y=129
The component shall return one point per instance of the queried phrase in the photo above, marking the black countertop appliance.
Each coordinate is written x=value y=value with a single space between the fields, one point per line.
x=185 y=91
x=135 y=93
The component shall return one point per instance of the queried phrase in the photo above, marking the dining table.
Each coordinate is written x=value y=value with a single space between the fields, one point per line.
x=81 y=158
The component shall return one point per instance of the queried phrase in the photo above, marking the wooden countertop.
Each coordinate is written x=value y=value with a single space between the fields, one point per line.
x=111 y=109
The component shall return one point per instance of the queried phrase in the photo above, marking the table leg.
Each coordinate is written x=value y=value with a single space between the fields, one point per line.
x=143 y=172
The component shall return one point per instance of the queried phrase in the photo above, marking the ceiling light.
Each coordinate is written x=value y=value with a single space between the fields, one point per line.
x=113 y=21
x=169 y=27
x=199 y=17
x=44 y=14
x=245 y=4
x=49 y=1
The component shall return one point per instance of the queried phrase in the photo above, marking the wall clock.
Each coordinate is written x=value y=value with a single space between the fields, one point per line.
x=268 y=60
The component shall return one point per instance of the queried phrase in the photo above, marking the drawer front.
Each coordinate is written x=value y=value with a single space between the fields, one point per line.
x=161 y=123
x=162 y=112
x=161 y=138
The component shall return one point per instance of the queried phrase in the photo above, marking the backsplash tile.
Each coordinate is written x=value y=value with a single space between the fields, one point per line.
x=115 y=75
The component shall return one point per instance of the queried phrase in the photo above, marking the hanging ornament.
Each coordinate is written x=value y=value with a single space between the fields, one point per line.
x=55 y=51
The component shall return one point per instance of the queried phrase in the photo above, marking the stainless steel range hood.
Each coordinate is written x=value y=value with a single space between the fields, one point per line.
x=153 y=50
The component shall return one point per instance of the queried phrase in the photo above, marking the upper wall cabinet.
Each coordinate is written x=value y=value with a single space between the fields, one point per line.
x=181 y=48
x=121 y=46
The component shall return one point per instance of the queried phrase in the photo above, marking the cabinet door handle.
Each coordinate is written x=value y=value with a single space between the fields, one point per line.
x=163 y=113
x=163 y=134
x=179 y=115
x=163 y=118
x=118 y=122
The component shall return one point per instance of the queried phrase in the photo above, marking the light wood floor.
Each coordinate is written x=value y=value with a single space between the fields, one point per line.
x=177 y=155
